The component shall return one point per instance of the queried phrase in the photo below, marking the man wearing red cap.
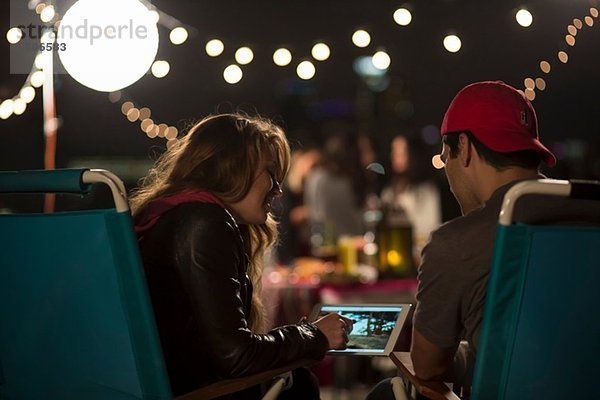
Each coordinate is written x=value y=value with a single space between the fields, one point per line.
x=490 y=142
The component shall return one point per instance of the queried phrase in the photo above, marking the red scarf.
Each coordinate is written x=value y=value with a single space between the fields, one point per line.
x=156 y=208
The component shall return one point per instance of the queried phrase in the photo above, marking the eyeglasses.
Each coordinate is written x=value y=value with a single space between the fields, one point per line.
x=275 y=186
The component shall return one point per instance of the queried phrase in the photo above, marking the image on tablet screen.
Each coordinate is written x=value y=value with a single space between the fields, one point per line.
x=372 y=327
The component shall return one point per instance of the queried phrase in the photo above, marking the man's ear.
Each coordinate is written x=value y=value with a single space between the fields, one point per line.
x=464 y=150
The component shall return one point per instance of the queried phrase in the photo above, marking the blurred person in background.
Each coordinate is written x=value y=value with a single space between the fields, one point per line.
x=411 y=192
x=335 y=191
x=292 y=212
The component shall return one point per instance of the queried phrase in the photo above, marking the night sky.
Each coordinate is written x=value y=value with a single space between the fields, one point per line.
x=423 y=76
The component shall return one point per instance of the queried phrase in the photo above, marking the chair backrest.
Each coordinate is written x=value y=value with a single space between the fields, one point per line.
x=75 y=316
x=540 y=335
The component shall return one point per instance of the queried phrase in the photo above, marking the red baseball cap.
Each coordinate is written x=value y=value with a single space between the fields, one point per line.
x=499 y=116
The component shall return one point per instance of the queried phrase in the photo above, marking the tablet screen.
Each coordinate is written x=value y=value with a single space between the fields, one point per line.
x=376 y=327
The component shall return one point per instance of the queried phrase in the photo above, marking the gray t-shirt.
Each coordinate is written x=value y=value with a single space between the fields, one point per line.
x=454 y=271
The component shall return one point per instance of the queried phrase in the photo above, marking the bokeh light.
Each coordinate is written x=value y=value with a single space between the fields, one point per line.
x=282 y=57
x=178 y=35
x=320 y=52
x=381 y=60
x=563 y=57
x=524 y=18
x=545 y=67
x=244 y=55
x=160 y=68
x=27 y=94
x=48 y=13
x=402 y=16
x=306 y=70
x=233 y=74
x=361 y=38
x=14 y=35
x=214 y=47
x=540 y=84
x=452 y=43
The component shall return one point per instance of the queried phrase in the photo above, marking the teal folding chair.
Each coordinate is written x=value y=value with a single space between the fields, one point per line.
x=540 y=336
x=75 y=316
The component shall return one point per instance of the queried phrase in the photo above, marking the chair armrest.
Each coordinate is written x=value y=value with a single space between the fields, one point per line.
x=434 y=390
x=228 y=386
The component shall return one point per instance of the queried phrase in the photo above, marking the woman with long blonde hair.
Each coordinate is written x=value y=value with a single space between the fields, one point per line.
x=203 y=219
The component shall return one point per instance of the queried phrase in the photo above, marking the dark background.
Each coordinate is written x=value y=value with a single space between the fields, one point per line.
x=423 y=77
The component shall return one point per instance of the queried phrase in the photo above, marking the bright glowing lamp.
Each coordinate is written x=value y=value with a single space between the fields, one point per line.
x=109 y=44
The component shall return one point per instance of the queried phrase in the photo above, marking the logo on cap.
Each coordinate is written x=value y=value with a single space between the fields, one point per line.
x=524 y=117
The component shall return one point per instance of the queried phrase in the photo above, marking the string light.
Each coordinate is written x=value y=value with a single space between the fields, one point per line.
x=545 y=67
x=524 y=18
x=19 y=106
x=578 y=24
x=530 y=94
x=402 y=16
x=572 y=30
x=178 y=35
x=452 y=43
x=145 y=113
x=529 y=83
x=563 y=57
x=540 y=84
x=244 y=55
x=14 y=35
x=570 y=40
x=48 y=13
x=282 y=57
x=39 y=8
x=233 y=74
x=133 y=114
x=320 y=52
x=305 y=70
x=147 y=125
x=7 y=107
x=160 y=68
x=214 y=47
x=361 y=38
x=589 y=21
x=381 y=60
x=27 y=93
x=594 y=12
x=37 y=79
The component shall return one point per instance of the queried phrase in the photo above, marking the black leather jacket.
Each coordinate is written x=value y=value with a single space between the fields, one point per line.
x=196 y=269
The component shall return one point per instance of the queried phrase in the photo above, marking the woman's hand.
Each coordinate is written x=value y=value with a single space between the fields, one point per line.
x=336 y=329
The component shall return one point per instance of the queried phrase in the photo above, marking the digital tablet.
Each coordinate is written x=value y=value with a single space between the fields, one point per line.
x=376 y=326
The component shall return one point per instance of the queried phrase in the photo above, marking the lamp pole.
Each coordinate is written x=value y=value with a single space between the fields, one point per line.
x=50 y=120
